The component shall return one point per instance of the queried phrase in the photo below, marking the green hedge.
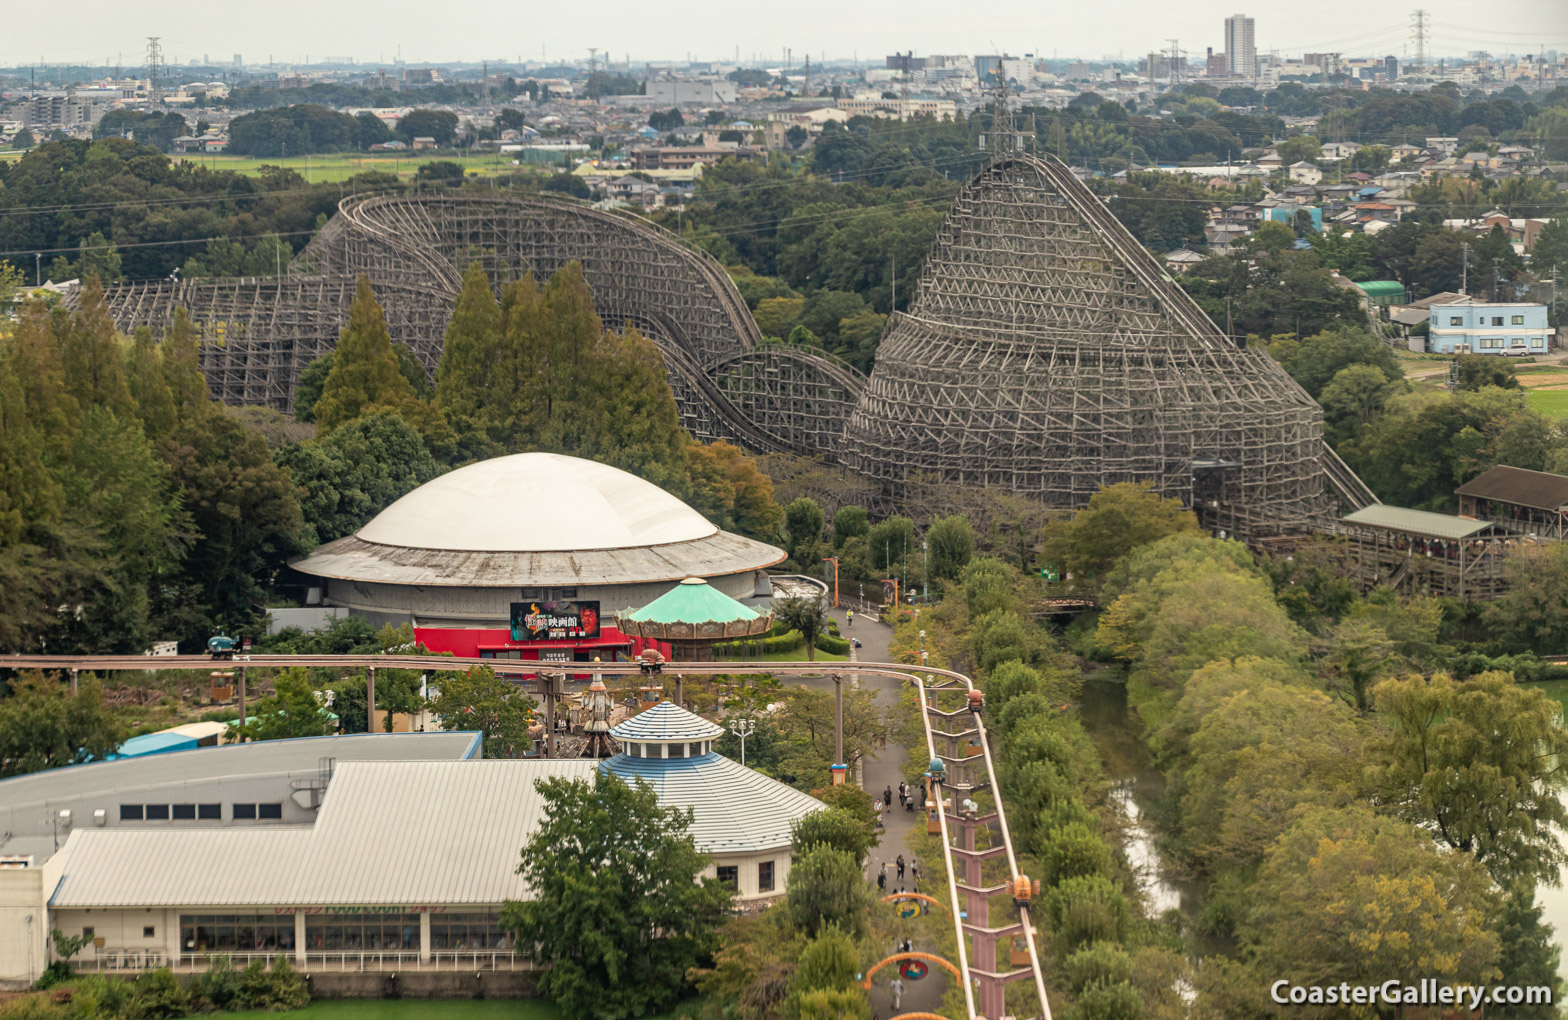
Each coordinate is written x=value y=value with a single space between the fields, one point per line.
x=774 y=644
x=832 y=645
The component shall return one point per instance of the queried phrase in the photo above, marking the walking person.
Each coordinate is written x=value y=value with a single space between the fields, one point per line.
x=849 y=618
x=897 y=988
x=900 y=867
x=903 y=793
x=914 y=868
x=877 y=807
x=882 y=880
x=887 y=797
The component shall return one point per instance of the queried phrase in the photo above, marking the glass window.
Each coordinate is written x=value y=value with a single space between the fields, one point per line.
x=1455 y=320
x=675 y=750
x=244 y=811
x=729 y=876
x=157 y=812
x=184 y=812
x=130 y=812
x=269 y=812
x=201 y=933
x=87 y=933
x=693 y=750
x=212 y=812
x=635 y=750
x=765 y=876
x=148 y=931
x=1518 y=320
x=1497 y=320
x=480 y=932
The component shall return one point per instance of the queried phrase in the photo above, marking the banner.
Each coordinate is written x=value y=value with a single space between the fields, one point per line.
x=554 y=621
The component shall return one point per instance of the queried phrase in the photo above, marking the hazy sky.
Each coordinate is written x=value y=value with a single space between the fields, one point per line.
x=94 y=31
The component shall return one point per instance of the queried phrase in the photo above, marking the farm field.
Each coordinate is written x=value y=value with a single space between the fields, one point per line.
x=1552 y=403
x=342 y=166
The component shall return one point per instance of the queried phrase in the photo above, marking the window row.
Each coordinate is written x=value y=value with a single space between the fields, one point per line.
x=729 y=875
x=199 y=812
x=548 y=594
x=1497 y=320
x=694 y=749
x=240 y=933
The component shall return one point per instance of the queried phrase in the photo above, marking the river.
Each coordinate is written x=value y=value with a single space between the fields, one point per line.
x=1138 y=789
x=1139 y=786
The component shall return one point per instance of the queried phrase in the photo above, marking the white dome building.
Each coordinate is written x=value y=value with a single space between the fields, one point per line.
x=526 y=554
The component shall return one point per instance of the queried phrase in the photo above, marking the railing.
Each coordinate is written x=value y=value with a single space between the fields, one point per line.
x=346 y=961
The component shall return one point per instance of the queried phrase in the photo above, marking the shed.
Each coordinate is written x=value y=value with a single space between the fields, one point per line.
x=1531 y=502
x=1429 y=553
x=1383 y=292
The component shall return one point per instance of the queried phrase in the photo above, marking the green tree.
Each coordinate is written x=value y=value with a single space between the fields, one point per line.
x=425 y=123
x=835 y=827
x=1118 y=519
x=43 y=726
x=1532 y=612
x=890 y=542
x=292 y=710
x=1271 y=237
x=824 y=982
x=479 y=700
x=1476 y=761
x=827 y=890
x=617 y=910
x=849 y=522
x=1350 y=896
x=355 y=471
x=1354 y=398
x=23 y=139
x=365 y=372
x=312 y=380
x=1478 y=370
x=727 y=487
x=777 y=316
x=1551 y=245
x=952 y=544
x=1315 y=361
x=1298 y=148
x=806 y=615
x=803 y=522
x=466 y=379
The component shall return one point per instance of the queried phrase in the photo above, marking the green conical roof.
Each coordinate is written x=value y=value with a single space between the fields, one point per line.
x=692 y=601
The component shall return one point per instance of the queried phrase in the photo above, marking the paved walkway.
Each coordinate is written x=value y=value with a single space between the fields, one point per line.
x=884 y=770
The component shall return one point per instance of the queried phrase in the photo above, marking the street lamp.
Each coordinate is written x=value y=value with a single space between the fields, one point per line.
x=744 y=729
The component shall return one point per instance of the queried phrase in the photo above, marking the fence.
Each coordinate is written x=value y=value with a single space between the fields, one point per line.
x=344 y=962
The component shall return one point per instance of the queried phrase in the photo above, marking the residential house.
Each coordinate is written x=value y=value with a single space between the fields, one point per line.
x=1446 y=146
x=423 y=142
x=684 y=157
x=1470 y=326
x=1304 y=172
x=1404 y=151
x=1271 y=161
x=1182 y=259
x=1336 y=151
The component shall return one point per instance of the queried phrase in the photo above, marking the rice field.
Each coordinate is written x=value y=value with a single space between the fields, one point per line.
x=1552 y=403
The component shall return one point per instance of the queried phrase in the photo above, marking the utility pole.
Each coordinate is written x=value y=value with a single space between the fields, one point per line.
x=744 y=729
x=1464 y=267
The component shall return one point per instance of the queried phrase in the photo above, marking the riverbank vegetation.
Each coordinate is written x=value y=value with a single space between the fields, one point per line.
x=1360 y=793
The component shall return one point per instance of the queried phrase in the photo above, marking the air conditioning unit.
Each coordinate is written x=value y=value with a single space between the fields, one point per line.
x=100 y=816
x=65 y=818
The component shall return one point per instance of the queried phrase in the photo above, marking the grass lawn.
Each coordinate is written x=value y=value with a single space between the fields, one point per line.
x=799 y=655
x=1552 y=403
x=341 y=166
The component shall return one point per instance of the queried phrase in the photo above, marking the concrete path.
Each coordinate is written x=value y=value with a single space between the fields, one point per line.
x=884 y=770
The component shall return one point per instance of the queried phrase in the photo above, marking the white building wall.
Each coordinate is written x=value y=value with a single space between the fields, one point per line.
x=24 y=926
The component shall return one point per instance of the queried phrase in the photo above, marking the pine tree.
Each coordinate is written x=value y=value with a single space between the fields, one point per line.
x=637 y=427
x=519 y=361
x=182 y=371
x=28 y=492
x=34 y=356
x=365 y=373
x=149 y=387
x=466 y=379
x=94 y=360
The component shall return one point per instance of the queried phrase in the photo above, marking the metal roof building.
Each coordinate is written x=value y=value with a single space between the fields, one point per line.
x=459 y=554
x=412 y=857
x=1530 y=502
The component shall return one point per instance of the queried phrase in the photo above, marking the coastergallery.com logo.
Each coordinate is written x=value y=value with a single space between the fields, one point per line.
x=1426 y=992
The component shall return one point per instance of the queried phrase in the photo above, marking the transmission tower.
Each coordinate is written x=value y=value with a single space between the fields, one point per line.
x=154 y=65
x=1175 y=63
x=1418 y=36
x=1003 y=138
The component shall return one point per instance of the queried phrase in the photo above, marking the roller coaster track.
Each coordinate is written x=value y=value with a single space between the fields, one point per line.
x=952 y=725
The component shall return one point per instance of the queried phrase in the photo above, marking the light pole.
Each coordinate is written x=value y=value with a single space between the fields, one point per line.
x=925 y=569
x=833 y=560
x=840 y=766
x=744 y=729
x=922 y=647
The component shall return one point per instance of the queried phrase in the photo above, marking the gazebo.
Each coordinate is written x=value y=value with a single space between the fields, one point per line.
x=692 y=617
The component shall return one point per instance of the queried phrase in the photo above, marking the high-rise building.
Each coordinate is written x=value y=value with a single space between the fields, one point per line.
x=1241 y=51
x=1391 y=68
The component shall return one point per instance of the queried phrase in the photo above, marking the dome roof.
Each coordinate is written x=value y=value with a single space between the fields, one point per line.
x=666 y=722
x=536 y=502
x=536 y=519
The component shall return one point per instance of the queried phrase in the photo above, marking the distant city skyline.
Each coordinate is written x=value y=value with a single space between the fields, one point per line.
x=289 y=32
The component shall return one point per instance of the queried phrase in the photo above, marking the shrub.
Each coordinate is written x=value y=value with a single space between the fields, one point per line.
x=1073 y=851
x=1108 y=1001
x=159 y=994
x=1084 y=910
x=1100 y=963
x=220 y=985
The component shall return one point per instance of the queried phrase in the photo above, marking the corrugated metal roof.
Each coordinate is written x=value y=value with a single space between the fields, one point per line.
x=268 y=757
x=735 y=810
x=667 y=721
x=694 y=600
x=1520 y=486
x=154 y=743
x=352 y=558
x=388 y=833
x=411 y=833
x=1416 y=522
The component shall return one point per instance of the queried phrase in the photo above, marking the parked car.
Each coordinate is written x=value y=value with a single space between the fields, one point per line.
x=1516 y=350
